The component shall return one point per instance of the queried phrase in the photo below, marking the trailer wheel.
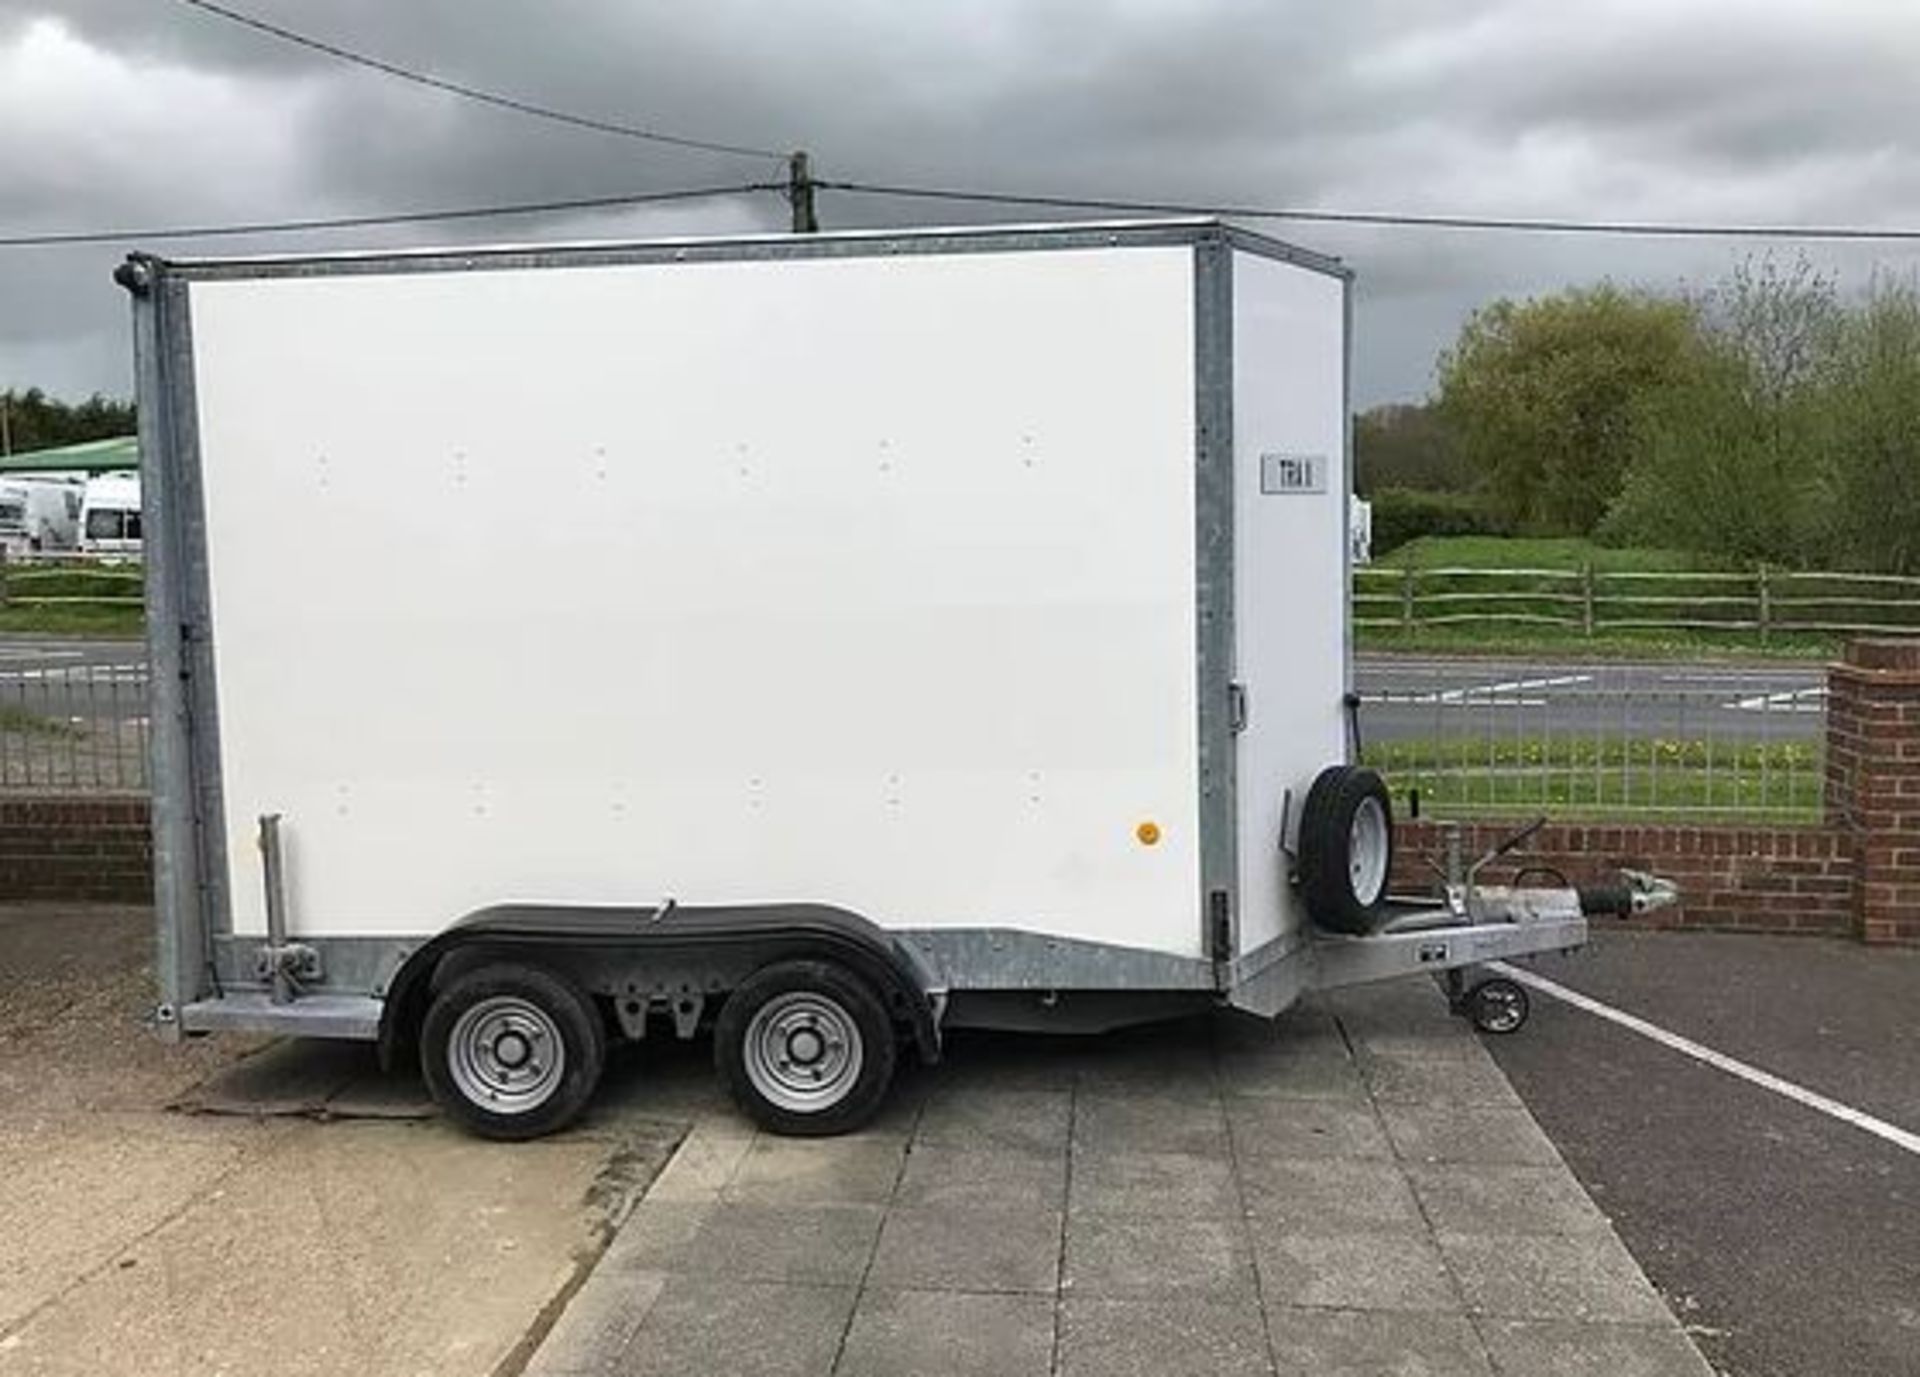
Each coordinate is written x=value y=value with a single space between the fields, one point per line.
x=806 y=1048
x=1346 y=849
x=511 y=1051
x=1498 y=1006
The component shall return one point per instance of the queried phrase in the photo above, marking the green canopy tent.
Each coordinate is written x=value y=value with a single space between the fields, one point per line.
x=94 y=456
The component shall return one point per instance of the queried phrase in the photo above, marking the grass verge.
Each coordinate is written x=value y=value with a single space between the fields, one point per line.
x=19 y=721
x=1627 y=779
x=1563 y=645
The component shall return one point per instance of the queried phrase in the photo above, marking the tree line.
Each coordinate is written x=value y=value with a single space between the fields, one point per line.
x=1768 y=418
x=31 y=420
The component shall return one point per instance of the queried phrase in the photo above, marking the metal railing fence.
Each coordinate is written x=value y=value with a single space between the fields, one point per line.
x=72 y=728
x=1583 y=742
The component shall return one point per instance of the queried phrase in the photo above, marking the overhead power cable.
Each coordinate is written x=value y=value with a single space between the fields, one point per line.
x=1387 y=219
x=474 y=93
x=1119 y=204
x=407 y=217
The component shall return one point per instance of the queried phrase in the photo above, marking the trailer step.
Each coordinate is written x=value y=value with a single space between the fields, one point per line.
x=355 y=1018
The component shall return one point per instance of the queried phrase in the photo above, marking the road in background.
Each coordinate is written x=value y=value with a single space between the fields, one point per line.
x=23 y=654
x=1788 y=1241
x=1422 y=698
x=1403 y=697
x=63 y=678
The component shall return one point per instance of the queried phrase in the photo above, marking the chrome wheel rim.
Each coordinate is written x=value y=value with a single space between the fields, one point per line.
x=803 y=1052
x=506 y=1055
x=1367 y=845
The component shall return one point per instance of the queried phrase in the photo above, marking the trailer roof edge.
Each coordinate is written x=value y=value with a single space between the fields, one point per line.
x=837 y=243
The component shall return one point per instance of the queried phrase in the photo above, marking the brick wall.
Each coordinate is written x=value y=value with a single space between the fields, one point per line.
x=1873 y=781
x=75 y=849
x=1760 y=879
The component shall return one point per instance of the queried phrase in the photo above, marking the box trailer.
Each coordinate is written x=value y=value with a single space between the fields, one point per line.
x=945 y=629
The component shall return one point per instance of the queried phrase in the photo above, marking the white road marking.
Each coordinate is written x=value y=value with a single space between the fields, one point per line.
x=1789 y=700
x=77 y=674
x=1735 y=676
x=1720 y=1061
x=1485 y=695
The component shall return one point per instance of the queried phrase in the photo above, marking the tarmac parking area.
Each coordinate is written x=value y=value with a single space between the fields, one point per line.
x=1786 y=1238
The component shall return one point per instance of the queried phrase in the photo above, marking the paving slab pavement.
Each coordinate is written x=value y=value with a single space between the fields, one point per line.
x=1355 y=1190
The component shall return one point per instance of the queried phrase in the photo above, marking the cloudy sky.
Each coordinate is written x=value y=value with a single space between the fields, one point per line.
x=134 y=113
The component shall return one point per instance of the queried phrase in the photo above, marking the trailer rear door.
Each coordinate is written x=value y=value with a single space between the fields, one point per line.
x=1291 y=485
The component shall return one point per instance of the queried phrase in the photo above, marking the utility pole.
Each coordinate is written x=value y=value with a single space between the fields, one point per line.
x=800 y=194
x=6 y=422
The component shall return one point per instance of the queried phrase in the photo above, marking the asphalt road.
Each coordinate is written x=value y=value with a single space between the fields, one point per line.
x=1406 y=697
x=1403 y=697
x=64 y=678
x=1788 y=1241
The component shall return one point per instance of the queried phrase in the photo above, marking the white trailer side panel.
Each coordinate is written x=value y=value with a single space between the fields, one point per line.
x=1290 y=562
x=864 y=581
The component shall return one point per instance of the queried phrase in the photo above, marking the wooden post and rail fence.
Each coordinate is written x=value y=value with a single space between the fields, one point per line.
x=1587 y=602
x=1584 y=603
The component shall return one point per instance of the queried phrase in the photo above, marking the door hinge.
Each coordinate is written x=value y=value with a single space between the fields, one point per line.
x=1236 y=707
x=1219 y=926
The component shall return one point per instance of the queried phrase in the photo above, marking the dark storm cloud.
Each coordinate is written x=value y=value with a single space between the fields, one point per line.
x=123 y=112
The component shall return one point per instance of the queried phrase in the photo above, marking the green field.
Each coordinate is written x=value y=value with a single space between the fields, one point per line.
x=1632 y=778
x=72 y=621
x=1518 y=552
x=61 y=600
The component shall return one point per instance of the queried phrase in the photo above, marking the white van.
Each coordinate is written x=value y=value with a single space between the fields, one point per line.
x=110 y=515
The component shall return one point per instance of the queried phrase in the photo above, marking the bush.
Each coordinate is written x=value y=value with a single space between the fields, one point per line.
x=1726 y=468
x=1544 y=398
x=1733 y=460
x=1407 y=445
x=1873 y=420
x=1404 y=514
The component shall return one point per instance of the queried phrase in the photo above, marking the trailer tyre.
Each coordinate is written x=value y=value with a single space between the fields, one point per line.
x=1498 y=1006
x=512 y=1052
x=806 y=1048
x=1346 y=849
